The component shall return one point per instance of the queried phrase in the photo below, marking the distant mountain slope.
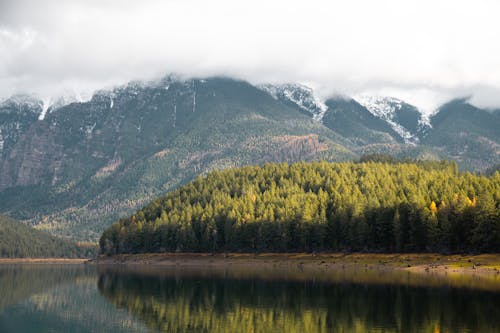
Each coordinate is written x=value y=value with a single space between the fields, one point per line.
x=86 y=164
x=405 y=119
x=409 y=117
x=297 y=96
x=352 y=120
x=19 y=241
x=78 y=166
x=469 y=135
x=17 y=114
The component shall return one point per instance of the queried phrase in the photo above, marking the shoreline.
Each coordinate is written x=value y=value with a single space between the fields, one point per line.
x=416 y=263
x=72 y=261
x=420 y=263
x=424 y=269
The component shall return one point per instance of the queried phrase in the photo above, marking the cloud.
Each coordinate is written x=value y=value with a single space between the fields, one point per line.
x=423 y=51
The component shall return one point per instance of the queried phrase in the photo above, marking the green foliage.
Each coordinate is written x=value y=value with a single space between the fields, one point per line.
x=319 y=206
x=20 y=241
x=377 y=157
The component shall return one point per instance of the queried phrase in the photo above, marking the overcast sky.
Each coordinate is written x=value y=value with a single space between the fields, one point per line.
x=425 y=52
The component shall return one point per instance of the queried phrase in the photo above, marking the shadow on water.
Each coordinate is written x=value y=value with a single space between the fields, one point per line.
x=236 y=300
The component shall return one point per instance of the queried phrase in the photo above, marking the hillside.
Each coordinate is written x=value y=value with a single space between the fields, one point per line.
x=467 y=134
x=319 y=206
x=405 y=119
x=87 y=164
x=80 y=165
x=20 y=241
x=350 y=119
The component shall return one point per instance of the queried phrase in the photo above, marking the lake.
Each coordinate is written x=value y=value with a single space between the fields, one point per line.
x=87 y=298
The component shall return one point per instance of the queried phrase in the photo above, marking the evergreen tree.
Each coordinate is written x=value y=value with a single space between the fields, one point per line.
x=319 y=206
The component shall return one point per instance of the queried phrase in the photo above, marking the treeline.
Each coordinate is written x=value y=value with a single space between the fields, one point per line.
x=320 y=206
x=20 y=241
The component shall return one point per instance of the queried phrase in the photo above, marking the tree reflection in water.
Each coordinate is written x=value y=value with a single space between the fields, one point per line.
x=175 y=301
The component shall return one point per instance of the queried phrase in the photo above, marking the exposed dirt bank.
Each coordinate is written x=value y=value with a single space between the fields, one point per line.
x=418 y=263
x=467 y=271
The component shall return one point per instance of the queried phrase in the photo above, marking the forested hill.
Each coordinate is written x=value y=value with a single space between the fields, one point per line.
x=17 y=240
x=320 y=206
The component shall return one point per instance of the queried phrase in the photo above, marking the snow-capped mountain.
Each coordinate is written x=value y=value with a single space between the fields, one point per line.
x=405 y=119
x=64 y=100
x=16 y=115
x=112 y=153
x=299 y=96
x=40 y=106
x=21 y=102
x=153 y=137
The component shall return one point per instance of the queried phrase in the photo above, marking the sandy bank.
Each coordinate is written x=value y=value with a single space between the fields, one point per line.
x=416 y=263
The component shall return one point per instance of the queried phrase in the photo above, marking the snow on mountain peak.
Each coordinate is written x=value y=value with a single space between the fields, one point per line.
x=382 y=107
x=50 y=104
x=300 y=95
x=386 y=108
x=22 y=100
x=46 y=103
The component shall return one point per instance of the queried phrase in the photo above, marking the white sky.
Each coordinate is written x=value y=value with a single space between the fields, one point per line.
x=425 y=52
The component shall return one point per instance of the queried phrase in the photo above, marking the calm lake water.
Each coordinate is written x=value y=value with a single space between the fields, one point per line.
x=78 y=298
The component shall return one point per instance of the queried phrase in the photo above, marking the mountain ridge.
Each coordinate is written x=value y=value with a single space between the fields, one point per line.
x=85 y=164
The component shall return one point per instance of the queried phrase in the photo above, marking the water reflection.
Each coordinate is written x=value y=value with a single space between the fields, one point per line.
x=44 y=298
x=18 y=282
x=57 y=298
x=227 y=301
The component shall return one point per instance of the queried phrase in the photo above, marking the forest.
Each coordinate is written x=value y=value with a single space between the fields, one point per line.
x=18 y=240
x=374 y=205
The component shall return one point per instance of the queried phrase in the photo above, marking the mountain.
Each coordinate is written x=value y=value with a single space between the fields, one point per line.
x=20 y=241
x=16 y=116
x=352 y=120
x=381 y=125
x=379 y=120
x=465 y=133
x=297 y=96
x=80 y=165
x=86 y=164
x=405 y=119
